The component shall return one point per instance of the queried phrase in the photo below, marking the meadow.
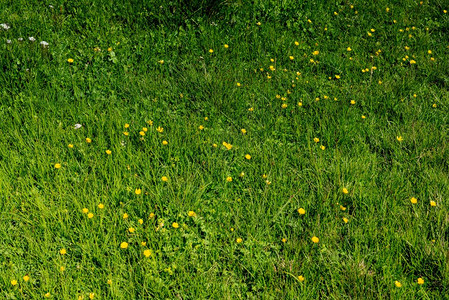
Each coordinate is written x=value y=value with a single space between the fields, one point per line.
x=224 y=149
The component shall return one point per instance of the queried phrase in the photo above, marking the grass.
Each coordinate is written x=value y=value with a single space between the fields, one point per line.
x=342 y=109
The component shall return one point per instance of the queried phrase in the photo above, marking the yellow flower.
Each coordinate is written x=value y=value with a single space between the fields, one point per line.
x=47 y=295
x=126 y=125
x=143 y=243
x=397 y=284
x=211 y=51
x=175 y=225
x=399 y=138
x=387 y=9
x=296 y=43
x=161 y=61
x=258 y=23
x=301 y=278
x=352 y=102
x=138 y=191
x=26 y=278
x=342 y=207
x=228 y=146
x=226 y=46
x=85 y=210
x=131 y=230
x=301 y=211
x=243 y=130
x=147 y=253
x=165 y=143
x=109 y=281
x=322 y=147
x=239 y=240
x=164 y=178
x=144 y=129
x=126 y=133
x=433 y=203
x=284 y=105
x=125 y=216
x=412 y=62
x=344 y=190
x=345 y=220
x=348 y=49
x=70 y=145
x=88 y=140
x=142 y=133
x=239 y=84
x=57 y=166
x=124 y=245
x=247 y=156
x=201 y=127
x=150 y=122
x=70 y=60
x=90 y=215
x=13 y=282
x=151 y=216
x=101 y=206
x=420 y=281
x=108 y=152
x=191 y=213
x=363 y=117
x=315 y=239
x=62 y=268
x=316 y=52
x=291 y=57
x=229 y=179
x=284 y=240
x=316 y=140
x=251 y=109
x=214 y=145
x=413 y=200
x=62 y=251
x=140 y=221
x=299 y=103
x=92 y=295
x=160 y=129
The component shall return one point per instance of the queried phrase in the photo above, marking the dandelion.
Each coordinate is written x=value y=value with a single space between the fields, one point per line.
x=284 y=240
x=352 y=102
x=131 y=230
x=151 y=215
x=70 y=145
x=201 y=127
x=144 y=129
x=138 y=191
x=316 y=140
x=13 y=282
x=284 y=105
x=70 y=60
x=142 y=133
x=433 y=203
x=363 y=117
x=62 y=268
x=229 y=179
x=160 y=129
x=239 y=84
x=301 y=211
x=349 y=49
x=342 y=207
x=26 y=278
x=301 y=278
x=316 y=52
x=226 y=46
x=247 y=156
x=85 y=210
x=101 y=206
x=228 y=146
x=125 y=216
x=413 y=200
x=243 y=130
x=126 y=125
x=291 y=57
x=299 y=104
x=124 y=245
x=296 y=43
x=47 y=295
x=175 y=225
x=397 y=284
x=191 y=213
x=108 y=152
x=211 y=51
x=90 y=215
x=164 y=178
x=258 y=23
x=420 y=281
x=345 y=220
x=57 y=166
x=345 y=190
x=315 y=239
x=412 y=62
x=161 y=61
x=239 y=240
x=399 y=138
x=322 y=147
x=165 y=143
x=147 y=253
x=63 y=251
x=92 y=295
x=251 y=109
x=88 y=140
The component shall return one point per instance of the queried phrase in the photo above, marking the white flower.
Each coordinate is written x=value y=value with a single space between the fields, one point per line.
x=44 y=44
x=20 y=39
x=4 y=26
x=51 y=6
x=32 y=39
x=8 y=41
x=78 y=126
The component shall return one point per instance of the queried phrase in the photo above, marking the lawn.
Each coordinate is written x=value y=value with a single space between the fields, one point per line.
x=224 y=149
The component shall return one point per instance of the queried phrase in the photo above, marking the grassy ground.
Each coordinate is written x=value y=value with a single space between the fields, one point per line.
x=274 y=150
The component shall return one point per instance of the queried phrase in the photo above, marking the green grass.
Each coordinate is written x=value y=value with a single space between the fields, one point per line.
x=159 y=68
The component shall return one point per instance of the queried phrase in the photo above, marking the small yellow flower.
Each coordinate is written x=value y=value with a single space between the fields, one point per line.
x=201 y=127
x=228 y=146
x=175 y=225
x=57 y=166
x=316 y=52
x=387 y=9
x=13 y=282
x=247 y=156
x=412 y=62
x=301 y=278
x=239 y=84
x=300 y=104
x=164 y=178
x=345 y=220
x=258 y=23
x=400 y=138
x=142 y=133
x=214 y=145
x=131 y=230
x=226 y=46
x=138 y=191
x=211 y=51
x=70 y=145
x=151 y=215
x=26 y=278
x=140 y=221
x=342 y=208
x=90 y=215
x=109 y=281
x=88 y=140
x=348 y=49
x=322 y=147
x=301 y=211
x=85 y=210
x=243 y=130
x=413 y=200
x=92 y=295
x=108 y=152
x=126 y=133
x=144 y=129
x=397 y=284
x=125 y=216
x=70 y=60
x=191 y=213
x=143 y=243
x=62 y=268
x=420 y=281
x=352 y=102
x=251 y=109
x=315 y=239
x=291 y=57
x=284 y=240
x=62 y=251
x=345 y=190
x=433 y=203
x=284 y=105
x=363 y=117
x=47 y=295
x=316 y=140
x=229 y=179
x=101 y=206
x=147 y=253
x=239 y=240
x=126 y=125
x=165 y=143
x=296 y=43
x=124 y=245
x=160 y=129
x=161 y=61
